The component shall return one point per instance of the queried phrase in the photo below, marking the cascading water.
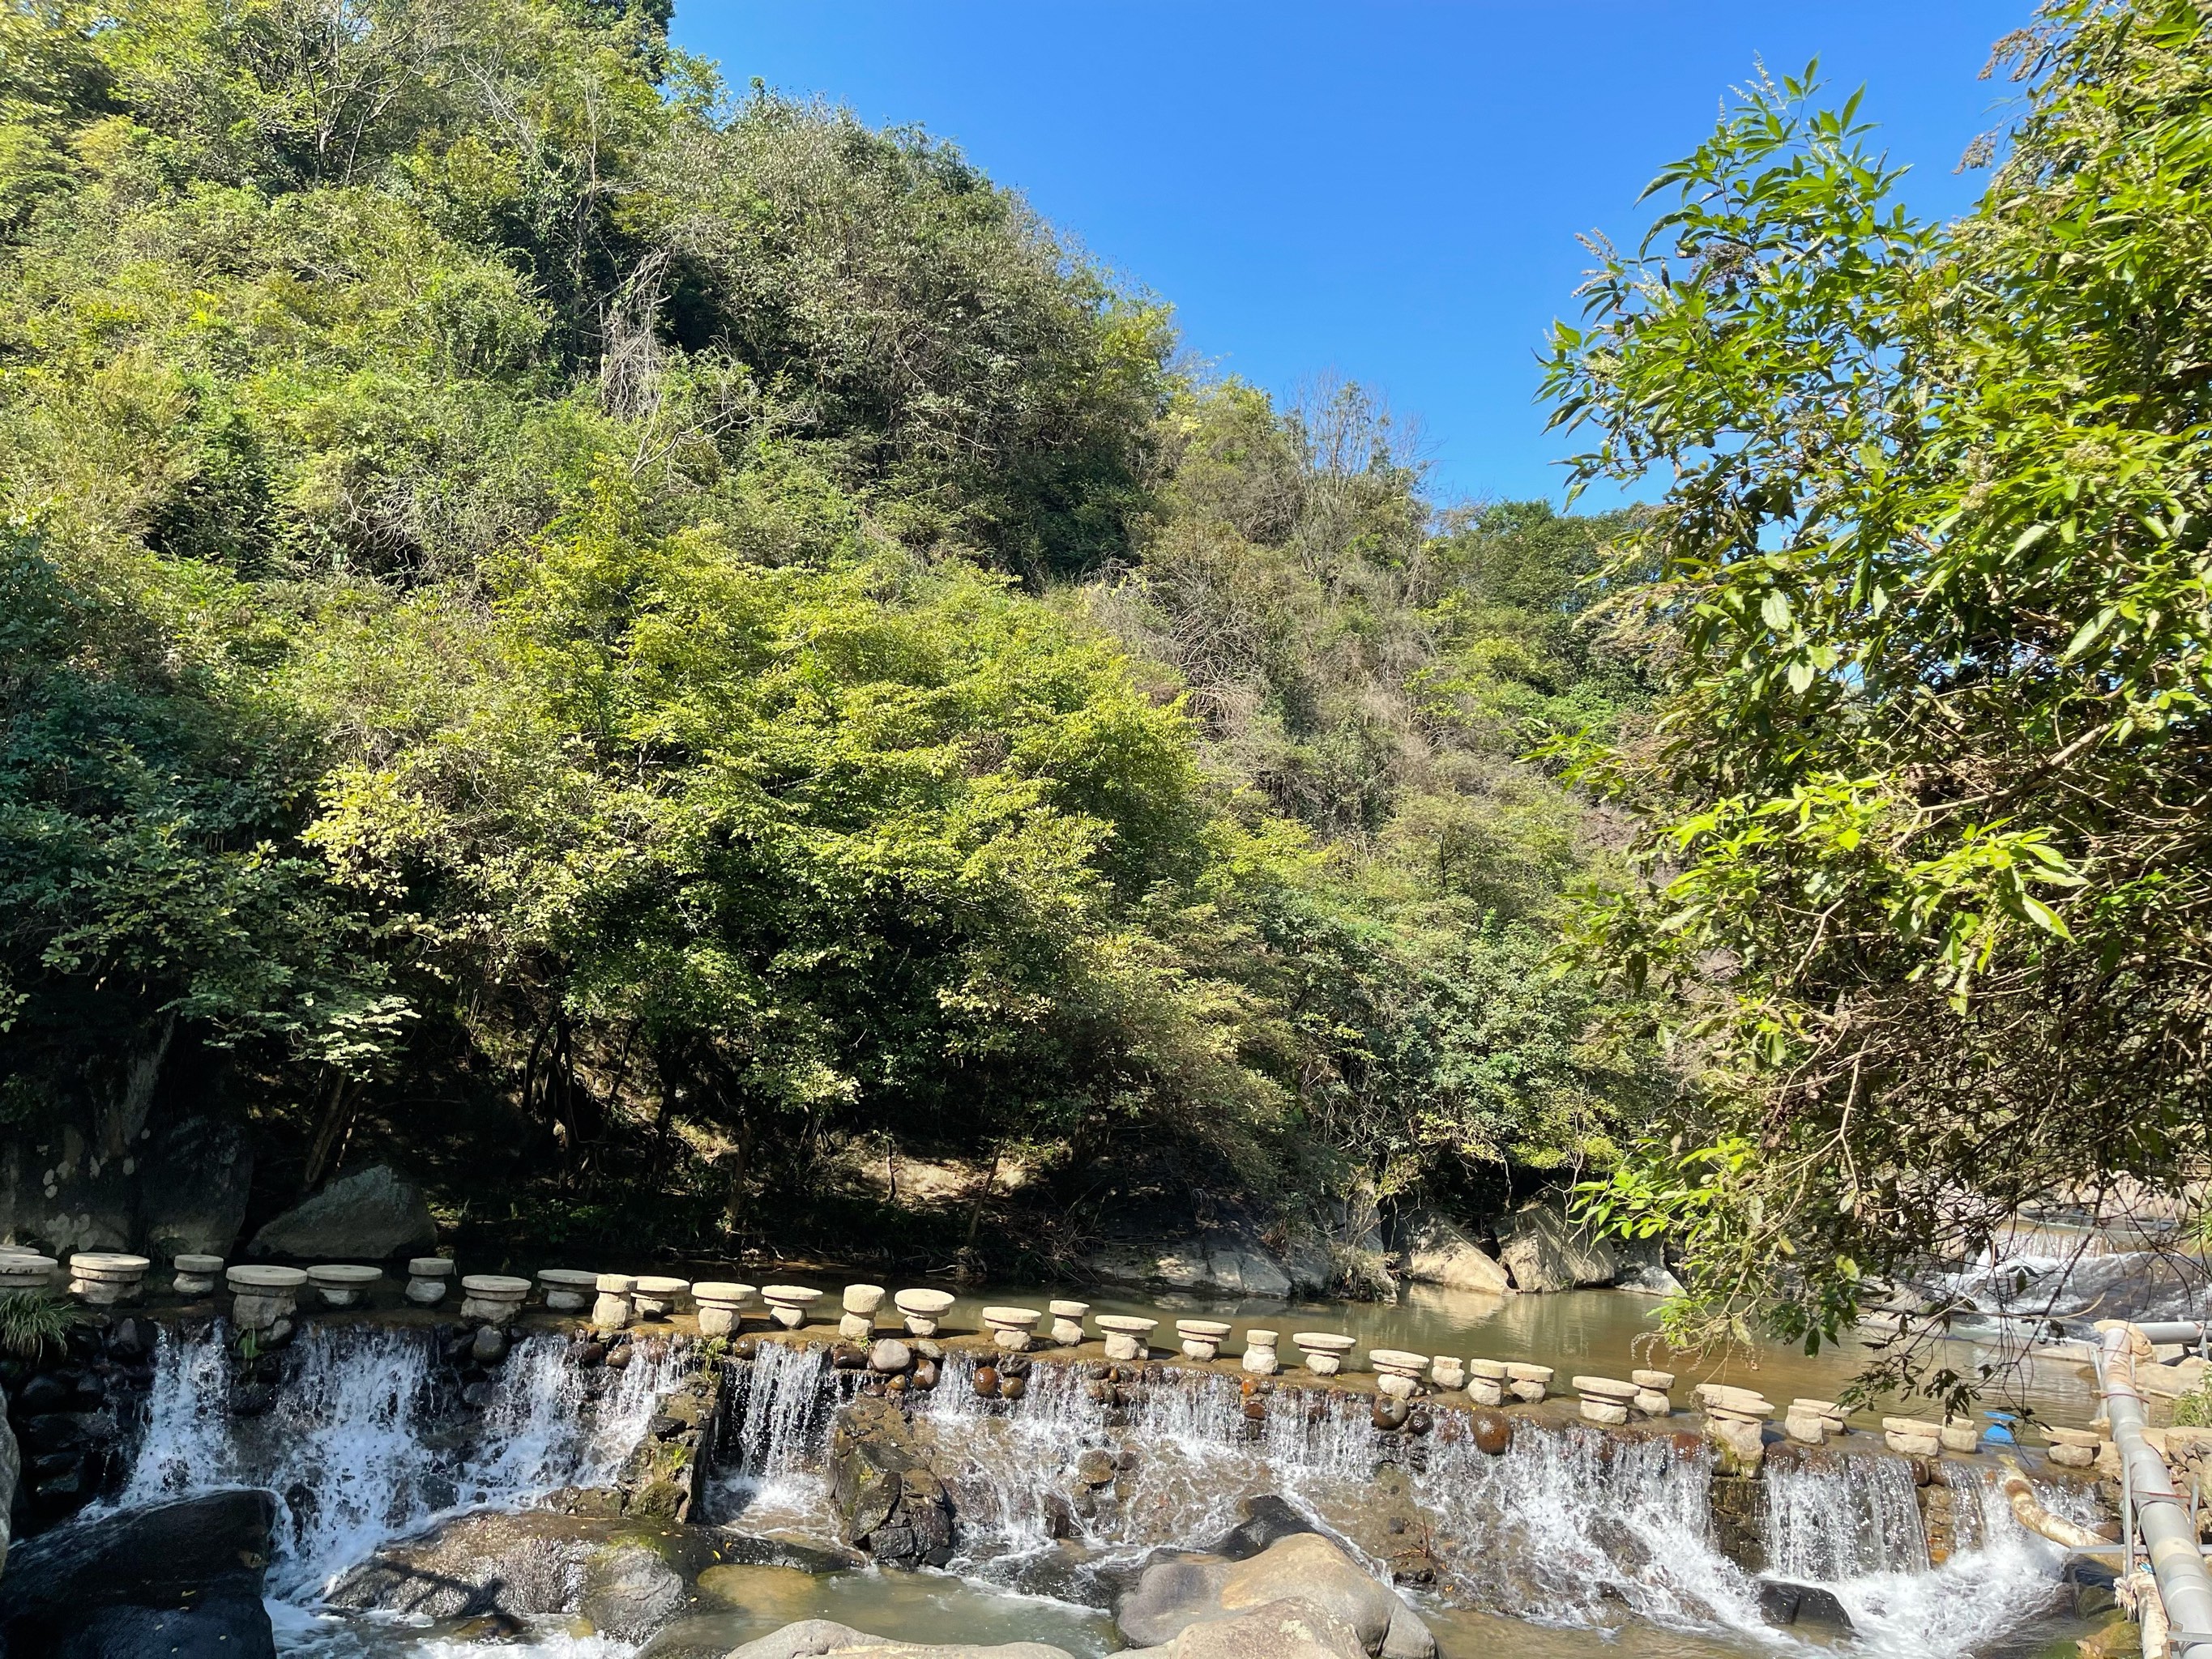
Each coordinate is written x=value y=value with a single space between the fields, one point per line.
x=358 y=1449
x=1843 y=1519
x=774 y=1444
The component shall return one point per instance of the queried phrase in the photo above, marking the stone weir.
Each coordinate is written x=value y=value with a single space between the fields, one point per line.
x=902 y=1478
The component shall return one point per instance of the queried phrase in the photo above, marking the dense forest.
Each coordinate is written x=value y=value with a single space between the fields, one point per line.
x=637 y=647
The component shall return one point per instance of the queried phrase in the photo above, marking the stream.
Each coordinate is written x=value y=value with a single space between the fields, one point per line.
x=1565 y=1547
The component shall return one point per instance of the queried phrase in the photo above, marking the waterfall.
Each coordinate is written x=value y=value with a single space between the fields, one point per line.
x=1855 y=1528
x=773 y=1446
x=1842 y=1519
x=360 y=1446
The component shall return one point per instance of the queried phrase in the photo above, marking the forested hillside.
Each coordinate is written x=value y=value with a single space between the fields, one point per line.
x=626 y=644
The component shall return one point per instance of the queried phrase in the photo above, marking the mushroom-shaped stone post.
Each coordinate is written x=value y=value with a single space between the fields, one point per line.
x=262 y=1298
x=1259 y=1356
x=1010 y=1328
x=427 y=1277
x=1201 y=1337
x=1962 y=1434
x=721 y=1307
x=2074 y=1449
x=1652 y=1398
x=22 y=1270
x=922 y=1309
x=1322 y=1351
x=342 y=1284
x=1808 y=1421
x=1486 y=1381
x=857 y=1322
x=1447 y=1372
x=195 y=1273
x=656 y=1297
x=1068 y=1322
x=787 y=1303
x=1528 y=1383
x=1397 y=1372
x=1126 y=1334
x=106 y=1279
x=567 y=1289
x=1604 y=1398
x=1912 y=1437
x=492 y=1298
x=1735 y=1422
x=610 y=1308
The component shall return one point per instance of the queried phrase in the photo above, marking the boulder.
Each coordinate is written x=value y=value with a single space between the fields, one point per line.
x=1266 y=1519
x=629 y=1591
x=1173 y=1595
x=102 y=1587
x=1292 y=1628
x=1438 y=1252
x=889 y=1501
x=1782 y=1603
x=370 y=1215
x=811 y=1638
x=1644 y=1267
x=194 y=1177
x=534 y=1563
x=1544 y=1252
x=11 y=1469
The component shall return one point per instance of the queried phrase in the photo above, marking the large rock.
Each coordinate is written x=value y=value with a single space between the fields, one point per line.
x=811 y=1638
x=1230 y=1261
x=1544 y=1252
x=629 y=1574
x=194 y=1178
x=12 y=1470
x=103 y=1586
x=889 y=1501
x=1437 y=1252
x=1293 y=1628
x=1173 y=1595
x=370 y=1215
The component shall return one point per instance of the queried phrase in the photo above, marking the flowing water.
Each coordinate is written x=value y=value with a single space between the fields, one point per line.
x=1568 y=1546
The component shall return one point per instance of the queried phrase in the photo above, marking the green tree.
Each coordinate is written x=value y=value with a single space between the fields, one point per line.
x=1924 y=798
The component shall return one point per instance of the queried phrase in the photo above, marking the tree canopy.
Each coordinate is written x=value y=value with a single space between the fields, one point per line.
x=620 y=640
x=1924 y=796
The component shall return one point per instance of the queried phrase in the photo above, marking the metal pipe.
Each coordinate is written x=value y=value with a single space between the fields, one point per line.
x=2164 y=1331
x=2161 y=1517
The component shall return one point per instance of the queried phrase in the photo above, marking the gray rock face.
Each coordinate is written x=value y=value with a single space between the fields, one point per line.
x=193 y=1181
x=1438 y=1252
x=370 y=1215
x=889 y=1501
x=1543 y=1253
x=101 y=1587
x=536 y=1562
x=11 y=1468
x=811 y=1638
x=1292 y=1628
x=1172 y=1595
x=1644 y=1267
x=1224 y=1262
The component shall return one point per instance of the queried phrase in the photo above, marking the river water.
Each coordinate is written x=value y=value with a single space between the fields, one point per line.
x=1553 y=1551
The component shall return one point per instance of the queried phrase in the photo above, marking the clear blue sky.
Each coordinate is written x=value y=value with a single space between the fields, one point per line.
x=1388 y=192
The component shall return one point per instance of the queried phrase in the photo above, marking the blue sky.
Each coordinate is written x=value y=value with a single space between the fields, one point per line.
x=1387 y=191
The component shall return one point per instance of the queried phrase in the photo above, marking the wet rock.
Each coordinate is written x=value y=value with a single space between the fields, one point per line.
x=1436 y=1251
x=1543 y=1252
x=1786 y=1604
x=535 y=1563
x=889 y=1355
x=488 y=1346
x=1173 y=1595
x=2092 y=1585
x=814 y=1638
x=629 y=1591
x=889 y=1501
x=228 y=1626
x=985 y=1382
x=1386 y=1413
x=1493 y=1431
x=1267 y=1519
x=64 y=1589
x=12 y=1470
x=47 y=1392
x=1291 y=1628
x=369 y=1215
